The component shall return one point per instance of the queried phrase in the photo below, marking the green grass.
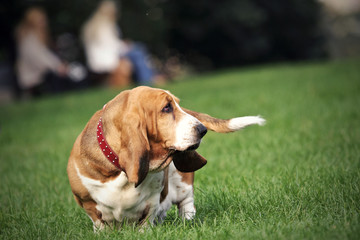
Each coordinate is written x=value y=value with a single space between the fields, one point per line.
x=298 y=177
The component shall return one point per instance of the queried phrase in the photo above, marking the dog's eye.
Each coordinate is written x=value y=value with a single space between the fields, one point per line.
x=167 y=109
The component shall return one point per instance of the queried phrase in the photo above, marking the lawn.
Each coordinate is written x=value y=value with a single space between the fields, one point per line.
x=297 y=177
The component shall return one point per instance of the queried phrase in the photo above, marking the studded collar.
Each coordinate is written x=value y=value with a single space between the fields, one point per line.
x=105 y=147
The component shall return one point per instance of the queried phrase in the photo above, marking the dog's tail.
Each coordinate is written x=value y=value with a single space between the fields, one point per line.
x=225 y=126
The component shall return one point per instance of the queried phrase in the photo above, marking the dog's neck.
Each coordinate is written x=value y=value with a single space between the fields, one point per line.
x=108 y=152
x=157 y=152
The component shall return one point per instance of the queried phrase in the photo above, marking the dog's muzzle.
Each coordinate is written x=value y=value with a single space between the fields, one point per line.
x=201 y=130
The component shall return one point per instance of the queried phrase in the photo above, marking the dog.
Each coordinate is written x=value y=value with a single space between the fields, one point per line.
x=136 y=157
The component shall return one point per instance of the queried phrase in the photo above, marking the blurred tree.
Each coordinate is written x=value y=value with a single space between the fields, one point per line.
x=232 y=32
x=208 y=33
x=144 y=20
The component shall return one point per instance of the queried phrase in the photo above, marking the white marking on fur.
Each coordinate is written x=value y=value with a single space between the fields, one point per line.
x=241 y=122
x=179 y=193
x=185 y=131
x=118 y=199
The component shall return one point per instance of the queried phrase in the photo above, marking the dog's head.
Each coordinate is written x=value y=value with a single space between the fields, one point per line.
x=153 y=130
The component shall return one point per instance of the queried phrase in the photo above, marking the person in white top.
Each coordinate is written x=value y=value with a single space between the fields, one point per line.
x=104 y=47
x=101 y=38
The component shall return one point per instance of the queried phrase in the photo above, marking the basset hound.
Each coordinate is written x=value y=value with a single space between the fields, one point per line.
x=136 y=157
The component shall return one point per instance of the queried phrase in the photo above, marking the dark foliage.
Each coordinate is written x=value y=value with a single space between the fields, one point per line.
x=232 y=32
x=207 y=33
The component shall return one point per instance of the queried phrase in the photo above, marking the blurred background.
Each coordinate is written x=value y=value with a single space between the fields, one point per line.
x=54 y=46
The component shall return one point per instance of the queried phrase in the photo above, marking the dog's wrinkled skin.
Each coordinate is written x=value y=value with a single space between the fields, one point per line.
x=155 y=140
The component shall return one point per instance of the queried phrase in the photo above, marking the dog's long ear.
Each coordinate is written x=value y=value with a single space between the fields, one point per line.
x=134 y=145
x=188 y=161
x=228 y=125
x=134 y=153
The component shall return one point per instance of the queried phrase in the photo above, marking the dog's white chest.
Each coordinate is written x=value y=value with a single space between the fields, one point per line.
x=118 y=199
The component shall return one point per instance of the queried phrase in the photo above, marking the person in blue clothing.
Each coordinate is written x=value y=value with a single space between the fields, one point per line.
x=143 y=73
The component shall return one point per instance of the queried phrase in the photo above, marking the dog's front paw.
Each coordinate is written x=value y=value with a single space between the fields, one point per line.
x=98 y=226
x=187 y=211
x=161 y=215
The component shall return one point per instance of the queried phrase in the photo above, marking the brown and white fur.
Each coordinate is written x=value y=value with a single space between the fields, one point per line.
x=155 y=140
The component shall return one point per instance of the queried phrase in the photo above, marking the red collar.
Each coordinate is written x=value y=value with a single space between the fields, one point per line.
x=105 y=148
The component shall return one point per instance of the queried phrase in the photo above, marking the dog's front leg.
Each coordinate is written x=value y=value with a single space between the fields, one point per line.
x=187 y=208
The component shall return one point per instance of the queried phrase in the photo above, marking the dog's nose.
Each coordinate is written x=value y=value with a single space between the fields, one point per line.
x=201 y=130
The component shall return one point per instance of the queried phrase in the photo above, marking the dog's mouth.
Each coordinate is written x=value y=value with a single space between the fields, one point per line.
x=190 y=148
x=172 y=150
x=166 y=161
x=193 y=147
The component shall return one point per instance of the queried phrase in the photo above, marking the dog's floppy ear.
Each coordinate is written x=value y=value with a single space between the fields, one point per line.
x=225 y=126
x=134 y=144
x=188 y=161
x=134 y=152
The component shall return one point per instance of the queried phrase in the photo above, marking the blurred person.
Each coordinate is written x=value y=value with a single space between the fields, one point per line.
x=38 y=69
x=108 y=54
